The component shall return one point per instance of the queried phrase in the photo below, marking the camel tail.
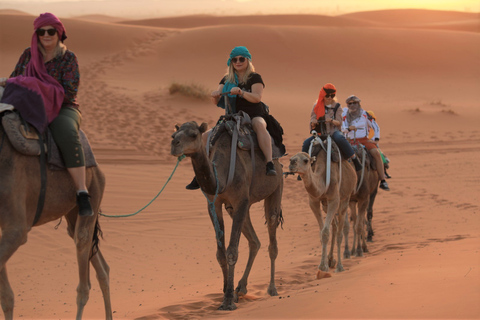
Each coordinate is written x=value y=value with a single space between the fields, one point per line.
x=97 y=234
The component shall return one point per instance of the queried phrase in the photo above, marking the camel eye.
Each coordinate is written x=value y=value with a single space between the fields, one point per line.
x=192 y=134
x=305 y=161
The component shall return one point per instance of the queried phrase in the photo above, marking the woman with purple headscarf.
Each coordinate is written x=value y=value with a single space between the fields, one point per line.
x=43 y=88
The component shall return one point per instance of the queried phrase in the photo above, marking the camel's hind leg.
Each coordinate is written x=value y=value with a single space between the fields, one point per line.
x=100 y=265
x=346 y=230
x=273 y=217
x=253 y=247
x=81 y=229
x=370 y=215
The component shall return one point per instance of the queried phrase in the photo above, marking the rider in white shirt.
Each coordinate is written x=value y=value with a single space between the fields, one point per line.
x=356 y=125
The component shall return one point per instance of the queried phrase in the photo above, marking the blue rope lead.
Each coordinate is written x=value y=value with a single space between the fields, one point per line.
x=132 y=214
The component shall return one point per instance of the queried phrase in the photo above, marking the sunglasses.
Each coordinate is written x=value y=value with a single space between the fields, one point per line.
x=241 y=60
x=330 y=95
x=41 y=32
x=352 y=103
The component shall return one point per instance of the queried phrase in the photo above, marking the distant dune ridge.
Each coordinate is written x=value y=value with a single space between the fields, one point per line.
x=418 y=70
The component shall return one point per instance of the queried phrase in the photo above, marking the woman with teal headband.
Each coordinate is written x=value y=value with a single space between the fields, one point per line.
x=246 y=89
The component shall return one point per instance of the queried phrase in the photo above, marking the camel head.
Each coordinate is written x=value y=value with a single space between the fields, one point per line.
x=187 y=139
x=301 y=163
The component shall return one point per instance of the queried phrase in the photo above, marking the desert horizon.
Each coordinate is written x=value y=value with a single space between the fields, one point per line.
x=419 y=76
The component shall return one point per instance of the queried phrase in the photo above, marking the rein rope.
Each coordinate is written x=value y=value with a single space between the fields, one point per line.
x=211 y=208
x=151 y=201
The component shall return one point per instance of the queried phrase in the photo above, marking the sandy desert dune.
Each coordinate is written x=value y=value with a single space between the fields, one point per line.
x=422 y=81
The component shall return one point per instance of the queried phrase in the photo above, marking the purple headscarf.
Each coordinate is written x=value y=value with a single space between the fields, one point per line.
x=37 y=83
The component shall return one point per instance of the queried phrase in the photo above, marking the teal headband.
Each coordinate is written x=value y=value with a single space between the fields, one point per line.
x=239 y=51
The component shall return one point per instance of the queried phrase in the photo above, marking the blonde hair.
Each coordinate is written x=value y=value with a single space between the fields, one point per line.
x=60 y=49
x=230 y=74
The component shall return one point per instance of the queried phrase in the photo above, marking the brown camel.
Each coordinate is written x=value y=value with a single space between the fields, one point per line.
x=249 y=185
x=334 y=198
x=363 y=199
x=19 y=192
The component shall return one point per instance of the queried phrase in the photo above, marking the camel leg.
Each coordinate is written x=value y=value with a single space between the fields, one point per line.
x=331 y=260
x=346 y=230
x=370 y=215
x=342 y=210
x=103 y=270
x=362 y=209
x=232 y=252
x=83 y=236
x=360 y=227
x=221 y=249
x=273 y=216
x=353 y=211
x=6 y=293
x=331 y=210
x=253 y=247
x=10 y=241
x=315 y=206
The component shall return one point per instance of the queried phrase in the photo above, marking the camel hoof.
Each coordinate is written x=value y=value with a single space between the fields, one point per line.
x=346 y=254
x=331 y=263
x=359 y=253
x=321 y=275
x=272 y=291
x=228 y=306
x=339 y=268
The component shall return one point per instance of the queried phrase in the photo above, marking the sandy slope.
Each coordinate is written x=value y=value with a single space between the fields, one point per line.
x=422 y=85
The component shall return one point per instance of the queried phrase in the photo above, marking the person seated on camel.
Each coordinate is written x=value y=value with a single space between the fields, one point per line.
x=356 y=124
x=328 y=109
x=47 y=76
x=245 y=88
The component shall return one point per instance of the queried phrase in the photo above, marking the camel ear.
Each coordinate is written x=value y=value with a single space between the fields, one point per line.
x=177 y=127
x=203 y=127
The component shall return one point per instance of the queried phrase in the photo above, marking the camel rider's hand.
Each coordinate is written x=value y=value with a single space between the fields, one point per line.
x=352 y=128
x=216 y=94
x=3 y=82
x=313 y=125
x=236 y=90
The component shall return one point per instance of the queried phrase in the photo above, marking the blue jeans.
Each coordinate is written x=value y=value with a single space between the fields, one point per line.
x=339 y=138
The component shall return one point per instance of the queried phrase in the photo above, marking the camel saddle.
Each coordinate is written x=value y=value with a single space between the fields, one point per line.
x=24 y=138
x=369 y=160
x=335 y=155
x=246 y=136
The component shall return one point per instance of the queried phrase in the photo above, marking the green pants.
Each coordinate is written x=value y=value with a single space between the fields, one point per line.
x=65 y=130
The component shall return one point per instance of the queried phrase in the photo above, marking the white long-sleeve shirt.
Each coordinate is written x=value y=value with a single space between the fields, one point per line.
x=363 y=125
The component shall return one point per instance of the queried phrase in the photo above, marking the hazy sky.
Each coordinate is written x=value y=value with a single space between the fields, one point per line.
x=161 y=8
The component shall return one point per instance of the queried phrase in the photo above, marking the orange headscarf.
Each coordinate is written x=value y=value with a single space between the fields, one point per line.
x=320 y=106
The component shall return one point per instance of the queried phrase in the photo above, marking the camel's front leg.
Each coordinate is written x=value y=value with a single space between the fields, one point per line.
x=317 y=212
x=353 y=211
x=273 y=216
x=221 y=251
x=253 y=247
x=342 y=213
x=331 y=210
x=10 y=240
x=331 y=260
x=362 y=244
x=238 y=218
